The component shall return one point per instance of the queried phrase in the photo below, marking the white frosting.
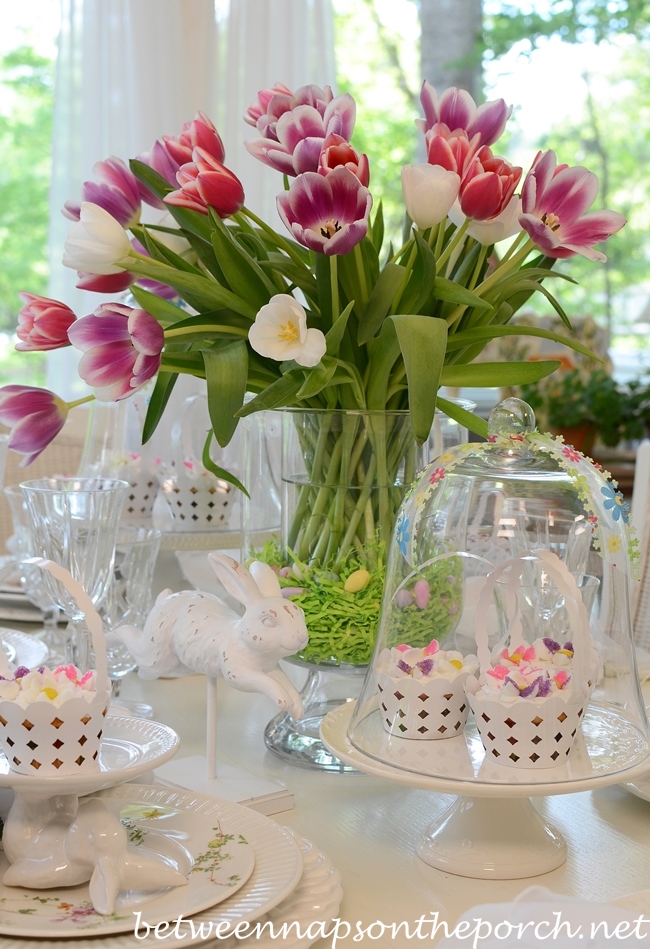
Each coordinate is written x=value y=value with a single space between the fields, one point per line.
x=425 y=663
x=54 y=686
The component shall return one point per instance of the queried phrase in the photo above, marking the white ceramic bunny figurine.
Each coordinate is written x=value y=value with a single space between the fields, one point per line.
x=192 y=631
x=59 y=841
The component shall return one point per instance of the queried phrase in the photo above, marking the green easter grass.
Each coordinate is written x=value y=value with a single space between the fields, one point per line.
x=342 y=626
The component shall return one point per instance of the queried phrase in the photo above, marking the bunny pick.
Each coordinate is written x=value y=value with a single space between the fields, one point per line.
x=193 y=631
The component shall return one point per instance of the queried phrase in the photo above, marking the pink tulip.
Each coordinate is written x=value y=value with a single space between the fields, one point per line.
x=116 y=191
x=35 y=416
x=261 y=105
x=43 y=324
x=457 y=110
x=105 y=283
x=170 y=152
x=273 y=103
x=121 y=348
x=487 y=185
x=336 y=151
x=205 y=183
x=295 y=128
x=453 y=151
x=554 y=201
x=327 y=214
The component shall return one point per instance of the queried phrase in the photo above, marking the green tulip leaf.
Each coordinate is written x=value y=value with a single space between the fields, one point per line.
x=378 y=306
x=162 y=390
x=318 y=378
x=279 y=394
x=451 y=292
x=422 y=341
x=497 y=374
x=226 y=373
x=217 y=470
x=463 y=416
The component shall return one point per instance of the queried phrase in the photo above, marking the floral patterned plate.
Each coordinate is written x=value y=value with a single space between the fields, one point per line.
x=207 y=843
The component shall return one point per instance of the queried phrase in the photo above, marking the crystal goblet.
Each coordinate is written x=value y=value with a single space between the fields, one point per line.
x=74 y=523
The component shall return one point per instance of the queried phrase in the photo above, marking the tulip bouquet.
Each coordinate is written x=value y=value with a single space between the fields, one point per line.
x=320 y=314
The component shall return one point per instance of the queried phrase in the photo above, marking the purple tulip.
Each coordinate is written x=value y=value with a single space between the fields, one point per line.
x=105 y=283
x=554 y=201
x=116 y=191
x=295 y=128
x=35 y=417
x=121 y=348
x=327 y=214
x=43 y=324
x=457 y=110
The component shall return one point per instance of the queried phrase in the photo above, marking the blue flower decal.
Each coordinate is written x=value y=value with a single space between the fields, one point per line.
x=616 y=503
x=402 y=535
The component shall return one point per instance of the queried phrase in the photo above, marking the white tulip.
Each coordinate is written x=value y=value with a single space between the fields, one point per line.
x=280 y=332
x=429 y=192
x=96 y=242
x=498 y=228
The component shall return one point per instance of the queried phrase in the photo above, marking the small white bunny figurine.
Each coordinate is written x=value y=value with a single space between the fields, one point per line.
x=192 y=631
x=59 y=841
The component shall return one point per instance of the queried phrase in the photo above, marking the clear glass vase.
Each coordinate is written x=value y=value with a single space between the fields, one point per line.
x=327 y=487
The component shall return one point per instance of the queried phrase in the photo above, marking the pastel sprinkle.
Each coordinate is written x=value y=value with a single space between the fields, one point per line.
x=432 y=648
x=456 y=663
x=51 y=693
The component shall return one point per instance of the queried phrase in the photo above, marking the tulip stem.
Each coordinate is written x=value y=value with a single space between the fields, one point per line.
x=440 y=238
x=208 y=328
x=451 y=246
x=334 y=284
x=361 y=273
x=280 y=241
x=401 y=251
x=86 y=398
x=516 y=243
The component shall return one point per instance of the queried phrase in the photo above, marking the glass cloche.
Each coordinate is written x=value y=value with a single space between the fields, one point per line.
x=504 y=652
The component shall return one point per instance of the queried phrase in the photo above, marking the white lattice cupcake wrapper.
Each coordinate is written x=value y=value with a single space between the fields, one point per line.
x=140 y=497
x=526 y=735
x=427 y=709
x=198 y=505
x=42 y=738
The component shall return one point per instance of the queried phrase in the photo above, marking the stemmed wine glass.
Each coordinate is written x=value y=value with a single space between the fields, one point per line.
x=74 y=523
x=21 y=544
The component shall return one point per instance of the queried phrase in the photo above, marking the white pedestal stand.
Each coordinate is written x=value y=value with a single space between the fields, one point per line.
x=493 y=831
x=202 y=774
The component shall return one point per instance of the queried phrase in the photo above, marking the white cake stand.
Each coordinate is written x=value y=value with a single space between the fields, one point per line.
x=492 y=830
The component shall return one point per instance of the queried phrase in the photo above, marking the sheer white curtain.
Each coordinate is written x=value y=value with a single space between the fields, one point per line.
x=129 y=71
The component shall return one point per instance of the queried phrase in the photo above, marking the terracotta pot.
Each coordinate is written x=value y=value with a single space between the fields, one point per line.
x=581 y=437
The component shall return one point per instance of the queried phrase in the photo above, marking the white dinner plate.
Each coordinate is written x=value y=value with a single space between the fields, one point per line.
x=129 y=748
x=277 y=872
x=23 y=649
x=317 y=898
x=205 y=847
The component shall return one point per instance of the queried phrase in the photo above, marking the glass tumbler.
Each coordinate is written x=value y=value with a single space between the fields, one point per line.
x=74 y=523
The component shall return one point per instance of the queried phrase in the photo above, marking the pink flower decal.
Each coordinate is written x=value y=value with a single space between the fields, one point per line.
x=554 y=201
x=295 y=128
x=35 y=417
x=121 y=348
x=437 y=475
x=116 y=191
x=43 y=324
x=206 y=183
x=457 y=110
x=327 y=214
x=569 y=452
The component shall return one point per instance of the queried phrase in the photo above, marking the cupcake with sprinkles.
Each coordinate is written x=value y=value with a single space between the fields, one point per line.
x=529 y=699
x=422 y=690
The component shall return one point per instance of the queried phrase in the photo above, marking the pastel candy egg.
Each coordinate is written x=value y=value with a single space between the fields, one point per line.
x=357 y=581
x=292 y=591
x=421 y=593
x=403 y=598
